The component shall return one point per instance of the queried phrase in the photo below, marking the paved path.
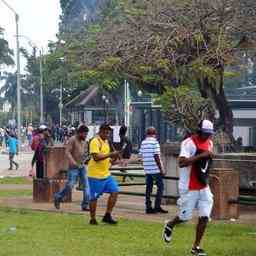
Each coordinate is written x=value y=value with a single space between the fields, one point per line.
x=127 y=207
x=24 y=161
x=15 y=187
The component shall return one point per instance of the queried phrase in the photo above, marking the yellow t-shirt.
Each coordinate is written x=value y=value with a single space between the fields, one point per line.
x=99 y=169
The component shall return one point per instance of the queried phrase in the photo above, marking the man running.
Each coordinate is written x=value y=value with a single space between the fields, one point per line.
x=75 y=152
x=99 y=177
x=193 y=188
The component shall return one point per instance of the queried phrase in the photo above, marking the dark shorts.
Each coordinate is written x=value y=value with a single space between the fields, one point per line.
x=97 y=187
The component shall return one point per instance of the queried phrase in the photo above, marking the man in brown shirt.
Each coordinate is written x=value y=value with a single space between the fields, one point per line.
x=75 y=152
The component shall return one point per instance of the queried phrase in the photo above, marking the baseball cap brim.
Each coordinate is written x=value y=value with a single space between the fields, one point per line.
x=208 y=131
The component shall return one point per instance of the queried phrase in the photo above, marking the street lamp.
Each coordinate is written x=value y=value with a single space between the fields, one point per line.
x=140 y=93
x=61 y=103
x=18 y=68
x=62 y=60
x=106 y=102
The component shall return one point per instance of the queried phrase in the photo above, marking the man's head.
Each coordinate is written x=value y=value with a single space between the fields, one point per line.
x=205 y=130
x=43 y=130
x=105 y=131
x=82 y=132
x=122 y=131
x=12 y=134
x=151 y=132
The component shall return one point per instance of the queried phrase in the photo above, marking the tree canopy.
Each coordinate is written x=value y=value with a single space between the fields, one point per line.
x=168 y=43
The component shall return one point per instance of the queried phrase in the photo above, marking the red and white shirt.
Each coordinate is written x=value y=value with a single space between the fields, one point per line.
x=188 y=178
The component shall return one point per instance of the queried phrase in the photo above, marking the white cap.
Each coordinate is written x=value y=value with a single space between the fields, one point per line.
x=42 y=127
x=207 y=127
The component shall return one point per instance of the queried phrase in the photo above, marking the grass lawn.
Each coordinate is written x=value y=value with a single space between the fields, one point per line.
x=15 y=180
x=16 y=193
x=50 y=234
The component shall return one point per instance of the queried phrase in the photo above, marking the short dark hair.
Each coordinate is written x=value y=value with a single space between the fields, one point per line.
x=151 y=131
x=82 y=128
x=105 y=126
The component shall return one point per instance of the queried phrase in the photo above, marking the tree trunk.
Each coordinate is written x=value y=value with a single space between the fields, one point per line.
x=225 y=121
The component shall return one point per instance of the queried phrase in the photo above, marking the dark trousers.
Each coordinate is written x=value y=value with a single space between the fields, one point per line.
x=12 y=162
x=150 y=180
x=39 y=169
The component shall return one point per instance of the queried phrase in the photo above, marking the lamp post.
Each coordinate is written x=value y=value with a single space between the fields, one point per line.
x=106 y=102
x=62 y=60
x=61 y=103
x=18 y=68
x=41 y=88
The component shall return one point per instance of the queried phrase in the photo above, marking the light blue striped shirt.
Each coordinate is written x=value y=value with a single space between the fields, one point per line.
x=149 y=148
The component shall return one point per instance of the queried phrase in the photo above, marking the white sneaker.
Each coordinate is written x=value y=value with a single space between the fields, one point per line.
x=167 y=233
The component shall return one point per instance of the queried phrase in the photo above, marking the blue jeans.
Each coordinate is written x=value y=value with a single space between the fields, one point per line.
x=73 y=175
x=150 y=179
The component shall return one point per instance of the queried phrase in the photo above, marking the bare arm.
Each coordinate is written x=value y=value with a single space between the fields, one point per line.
x=159 y=164
x=101 y=156
x=50 y=141
x=184 y=162
x=68 y=150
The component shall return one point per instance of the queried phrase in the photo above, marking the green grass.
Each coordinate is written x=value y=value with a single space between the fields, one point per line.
x=15 y=180
x=50 y=234
x=16 y=193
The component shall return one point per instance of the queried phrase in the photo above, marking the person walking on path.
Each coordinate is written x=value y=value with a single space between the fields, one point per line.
x=153 y=167
x=13 y=150
x=99 y=177
x=194 y=158
x=30 y=134
x=75 y=151
x=39 y=145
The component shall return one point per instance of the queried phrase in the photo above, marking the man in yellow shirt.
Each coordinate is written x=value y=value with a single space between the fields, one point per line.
x=99 y=177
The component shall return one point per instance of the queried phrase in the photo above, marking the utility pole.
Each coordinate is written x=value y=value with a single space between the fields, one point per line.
x=18 y=70
x=126 y=105
x=41 y=88
x=61 y=103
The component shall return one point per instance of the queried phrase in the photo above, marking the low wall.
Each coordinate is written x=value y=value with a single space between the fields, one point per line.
x=169 y=157
x=56 y=161
x=244 y=164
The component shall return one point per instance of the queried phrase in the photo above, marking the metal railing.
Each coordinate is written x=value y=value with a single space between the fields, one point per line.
x=129 y=171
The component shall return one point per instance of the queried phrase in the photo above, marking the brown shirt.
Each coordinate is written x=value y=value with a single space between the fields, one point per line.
x=77 y=149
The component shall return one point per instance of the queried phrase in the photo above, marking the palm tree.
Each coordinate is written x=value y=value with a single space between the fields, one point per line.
x=6 y=53
x=9 y=89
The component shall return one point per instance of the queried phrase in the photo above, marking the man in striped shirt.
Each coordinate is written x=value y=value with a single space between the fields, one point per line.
x=150 y=152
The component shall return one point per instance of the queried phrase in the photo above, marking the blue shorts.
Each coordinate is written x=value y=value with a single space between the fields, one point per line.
x=99 y=186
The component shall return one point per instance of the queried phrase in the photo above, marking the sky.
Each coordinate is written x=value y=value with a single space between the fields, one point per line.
x=38 y=21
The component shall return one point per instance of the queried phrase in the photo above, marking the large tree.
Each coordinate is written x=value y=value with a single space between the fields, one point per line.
x=168 y=43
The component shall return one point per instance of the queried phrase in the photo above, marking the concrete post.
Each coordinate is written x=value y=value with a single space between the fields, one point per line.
x=169 y=157
x=225 y=187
